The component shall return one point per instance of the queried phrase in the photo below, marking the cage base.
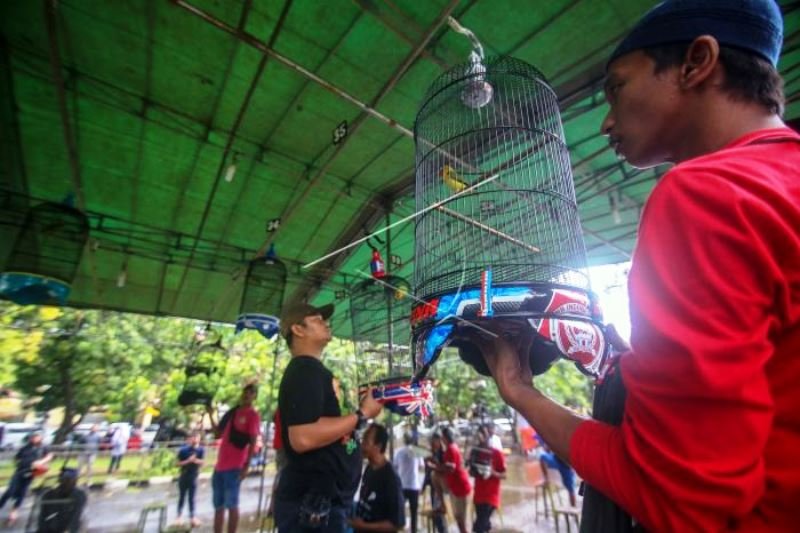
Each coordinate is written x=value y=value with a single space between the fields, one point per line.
x=33 y=289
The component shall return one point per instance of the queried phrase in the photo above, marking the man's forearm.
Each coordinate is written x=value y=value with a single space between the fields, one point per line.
x=555 y=423
x=250 y=454
x=324 y=431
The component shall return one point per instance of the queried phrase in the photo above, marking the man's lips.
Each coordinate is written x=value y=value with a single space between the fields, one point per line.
x=616 y=145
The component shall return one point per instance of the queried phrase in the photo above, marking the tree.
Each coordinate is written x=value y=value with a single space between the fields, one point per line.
x=120 y=364
x=87 y=360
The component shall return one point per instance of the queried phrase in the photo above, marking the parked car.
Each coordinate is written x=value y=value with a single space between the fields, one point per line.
x=503 y=426
x=149 y=435
x=16 y=433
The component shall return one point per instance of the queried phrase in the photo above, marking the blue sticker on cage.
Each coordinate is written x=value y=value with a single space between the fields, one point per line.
x=453 y=304
x=437 y=336
x=267 y=325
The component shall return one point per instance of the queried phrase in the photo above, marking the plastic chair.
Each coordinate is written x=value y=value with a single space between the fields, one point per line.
x=552 y=492
x=159 y=508
x=560 y=510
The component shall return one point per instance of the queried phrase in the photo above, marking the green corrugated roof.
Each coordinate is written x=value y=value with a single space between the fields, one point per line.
x=156 y=102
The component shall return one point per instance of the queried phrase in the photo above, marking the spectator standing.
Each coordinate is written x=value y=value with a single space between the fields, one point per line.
x=239 y=429
x=488 y=466
x=31 y=460
x=408 y=463
x=455 y=478
x=119 y=445
x=190 y=460
x=62 y=507
x=380 y=504
x=88 y=454
x=318 y=482
x=434 y=481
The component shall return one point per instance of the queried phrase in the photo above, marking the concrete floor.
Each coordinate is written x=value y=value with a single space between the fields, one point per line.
x=117 y=511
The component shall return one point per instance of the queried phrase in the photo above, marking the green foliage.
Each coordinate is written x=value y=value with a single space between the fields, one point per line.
x=567 y=385
x=120 y=364
x=161 y=462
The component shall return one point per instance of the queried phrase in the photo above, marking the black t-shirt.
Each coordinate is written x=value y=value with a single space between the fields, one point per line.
x=189 y=471
x=381 y=496
x=26 y=456
x=307 y=394
x=61 y=511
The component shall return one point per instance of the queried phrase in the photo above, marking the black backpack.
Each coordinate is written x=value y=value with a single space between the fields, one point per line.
x=236 y=437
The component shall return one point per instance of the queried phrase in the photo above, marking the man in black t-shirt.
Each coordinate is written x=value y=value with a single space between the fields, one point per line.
x=322 y=454
x=380 y=505
x=32 y=459
x=62 y=507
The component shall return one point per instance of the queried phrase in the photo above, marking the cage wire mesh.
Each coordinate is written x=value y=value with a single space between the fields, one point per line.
x=518 y=140
x=262 y=297
x=203 y=374
x=374 y=304
x=45 y=256
x=499 y=214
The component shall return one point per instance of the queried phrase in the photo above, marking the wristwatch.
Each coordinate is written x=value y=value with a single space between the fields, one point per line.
x=362 y=420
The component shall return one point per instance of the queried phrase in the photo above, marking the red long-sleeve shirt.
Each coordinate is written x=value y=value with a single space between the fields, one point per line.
x=711 y=429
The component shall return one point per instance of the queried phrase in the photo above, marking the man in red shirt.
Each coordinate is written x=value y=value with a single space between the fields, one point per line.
x=708 y=426
x=488 y=466
x=240 y=427
x=455 y=478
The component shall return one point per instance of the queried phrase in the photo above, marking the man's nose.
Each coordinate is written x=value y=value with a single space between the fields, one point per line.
x=607 y=125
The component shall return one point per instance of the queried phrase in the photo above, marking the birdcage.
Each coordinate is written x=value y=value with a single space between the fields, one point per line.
x=379 y=310
x=45 y=256
x=203 y=373
x=377 y=303
x=498 y=236
x=262 y=298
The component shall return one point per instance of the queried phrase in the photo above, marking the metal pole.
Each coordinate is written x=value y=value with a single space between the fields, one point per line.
x=269 y=406
x=390 y=326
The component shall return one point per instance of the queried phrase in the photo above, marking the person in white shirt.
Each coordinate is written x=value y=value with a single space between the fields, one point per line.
x=408 y=463
x=494 y=440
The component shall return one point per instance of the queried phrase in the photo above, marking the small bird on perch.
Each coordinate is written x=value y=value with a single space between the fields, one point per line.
x=452 y=179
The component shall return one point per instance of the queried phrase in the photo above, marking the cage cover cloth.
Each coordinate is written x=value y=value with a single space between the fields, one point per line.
x=710 y=435
x=403 y=396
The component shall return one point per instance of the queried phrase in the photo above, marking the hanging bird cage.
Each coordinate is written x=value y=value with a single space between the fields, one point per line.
x=203 y=374
x=262 y=298
x=371 y=303
x=375 y=305
x=45 y=256
x=499 y=235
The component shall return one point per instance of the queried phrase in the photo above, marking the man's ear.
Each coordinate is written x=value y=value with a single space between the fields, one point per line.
x=700 y=61
x=297 y=330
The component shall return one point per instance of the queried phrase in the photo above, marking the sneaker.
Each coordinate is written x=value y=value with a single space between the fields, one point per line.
x=195 y=522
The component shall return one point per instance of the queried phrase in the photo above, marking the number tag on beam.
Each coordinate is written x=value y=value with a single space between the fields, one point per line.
x=340 y=132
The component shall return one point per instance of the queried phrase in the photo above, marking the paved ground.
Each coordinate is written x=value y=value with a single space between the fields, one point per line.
x=117 y=511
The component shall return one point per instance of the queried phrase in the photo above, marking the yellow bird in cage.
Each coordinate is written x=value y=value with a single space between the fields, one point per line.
x=451 y=178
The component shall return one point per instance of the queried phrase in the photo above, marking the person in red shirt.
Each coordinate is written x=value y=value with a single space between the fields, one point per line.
x=280 y=458
x=488 y=466
x=240 y=428
x=698 y=422
x=135 y=441
x=455 y=478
